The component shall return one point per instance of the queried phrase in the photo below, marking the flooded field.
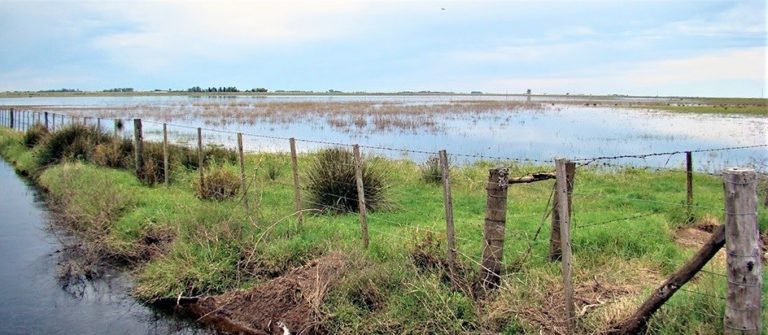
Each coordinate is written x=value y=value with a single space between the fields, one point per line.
x=469 y=127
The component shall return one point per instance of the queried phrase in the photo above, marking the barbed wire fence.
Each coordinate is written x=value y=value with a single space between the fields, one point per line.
x=429 y=219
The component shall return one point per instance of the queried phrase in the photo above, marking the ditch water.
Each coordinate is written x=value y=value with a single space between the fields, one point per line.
x=31 y=298
x=560 y=129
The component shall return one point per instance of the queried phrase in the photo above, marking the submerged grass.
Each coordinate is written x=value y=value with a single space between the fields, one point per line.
x=177 y=244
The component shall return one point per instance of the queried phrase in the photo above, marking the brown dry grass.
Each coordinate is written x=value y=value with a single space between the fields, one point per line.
x=345 y=116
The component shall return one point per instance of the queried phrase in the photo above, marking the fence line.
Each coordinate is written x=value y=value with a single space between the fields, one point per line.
x=492 y=252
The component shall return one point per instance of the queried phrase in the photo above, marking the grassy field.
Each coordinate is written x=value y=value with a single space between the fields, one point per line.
x=178 y=245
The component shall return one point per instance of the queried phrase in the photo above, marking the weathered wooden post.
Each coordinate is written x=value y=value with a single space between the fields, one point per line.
x=200 y=157
x=53 y=121
x=450 y=234
x=12 y=118
x=166 y=165
x=555 y=250
x=742 y=245
x=689 y=184
x=493 y=231
x=139 y=146
x=296 y=184
x=98 y=124
x=243 y=181
x=565 y=239
x=45 y=119
x=361 y=195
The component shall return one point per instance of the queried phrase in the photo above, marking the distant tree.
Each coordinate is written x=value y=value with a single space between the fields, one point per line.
x=261 y=90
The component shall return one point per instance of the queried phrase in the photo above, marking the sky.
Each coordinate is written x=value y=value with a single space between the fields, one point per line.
x=667 y=48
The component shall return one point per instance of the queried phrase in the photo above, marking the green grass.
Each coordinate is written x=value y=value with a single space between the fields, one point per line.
x=209 y=247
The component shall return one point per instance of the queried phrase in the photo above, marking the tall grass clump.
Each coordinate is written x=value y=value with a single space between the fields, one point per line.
x=211 y=153
x=35 y=135
x=117 y=154
x=71 y=142
x=430 y=171
x=332 y=187
x=218 y=184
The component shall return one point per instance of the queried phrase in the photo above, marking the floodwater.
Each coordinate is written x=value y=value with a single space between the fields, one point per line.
x=560 y=129
x=31 y=299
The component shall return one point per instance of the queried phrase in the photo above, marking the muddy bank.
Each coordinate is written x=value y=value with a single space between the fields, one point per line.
x=287 y=304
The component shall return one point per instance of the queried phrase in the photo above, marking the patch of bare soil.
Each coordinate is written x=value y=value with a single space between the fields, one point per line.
x=695 y=236
x=288 y=303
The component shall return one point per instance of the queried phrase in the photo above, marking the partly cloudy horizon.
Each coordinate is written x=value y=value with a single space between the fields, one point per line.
x=665 y=48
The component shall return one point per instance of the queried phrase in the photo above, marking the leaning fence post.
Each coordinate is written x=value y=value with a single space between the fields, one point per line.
x=166 y=166
x=450 y=234
x=296 y=185
x=742 y=245
x=200 y=157
x=139 y=144
x=493 y=231
x=555 y=246
x=565 y=239
x=361 y=195
x=243 y=182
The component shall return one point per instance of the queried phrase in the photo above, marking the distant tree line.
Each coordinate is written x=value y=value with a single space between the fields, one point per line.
x=120 y=89
x=60 y=90
x=198 y=89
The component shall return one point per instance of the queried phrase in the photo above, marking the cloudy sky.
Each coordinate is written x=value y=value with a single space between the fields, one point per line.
x=694 y=48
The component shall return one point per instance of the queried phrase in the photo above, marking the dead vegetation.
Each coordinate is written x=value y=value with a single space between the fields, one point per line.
x=288 y=303
x=359 y=116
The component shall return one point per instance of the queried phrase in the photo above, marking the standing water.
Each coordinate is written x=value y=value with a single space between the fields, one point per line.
x=31 y=299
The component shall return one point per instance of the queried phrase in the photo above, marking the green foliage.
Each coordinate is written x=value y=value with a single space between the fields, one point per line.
x=36 y=134
x=211 y=153
x=218 y=184
x=71 y=142
x=430 y=170
x=332 y=186
x=117 y=154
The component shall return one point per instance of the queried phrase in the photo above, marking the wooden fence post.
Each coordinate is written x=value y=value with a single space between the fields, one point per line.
x=139 y=146
x=12 y=118
x=98 y=124
x=361 y=195
x=296 y=184
x=742 y=245
x=46 y=120
x=450 y=234
x=115 y=129
x=555 y=247
x=689 y=184
x=200 y=157
x=166 y=165
x=493 y=231
x=565 y=239
x=243 y=181
x=53 y=121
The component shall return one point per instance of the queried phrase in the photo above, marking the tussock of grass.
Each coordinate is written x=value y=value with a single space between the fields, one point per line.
x=332 y=184
x=218 y=184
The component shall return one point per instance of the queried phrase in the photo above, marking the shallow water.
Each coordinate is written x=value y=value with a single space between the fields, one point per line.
x=31 y=299
x=566 y=130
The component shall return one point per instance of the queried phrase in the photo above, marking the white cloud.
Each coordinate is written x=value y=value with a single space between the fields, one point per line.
x=671 y=76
